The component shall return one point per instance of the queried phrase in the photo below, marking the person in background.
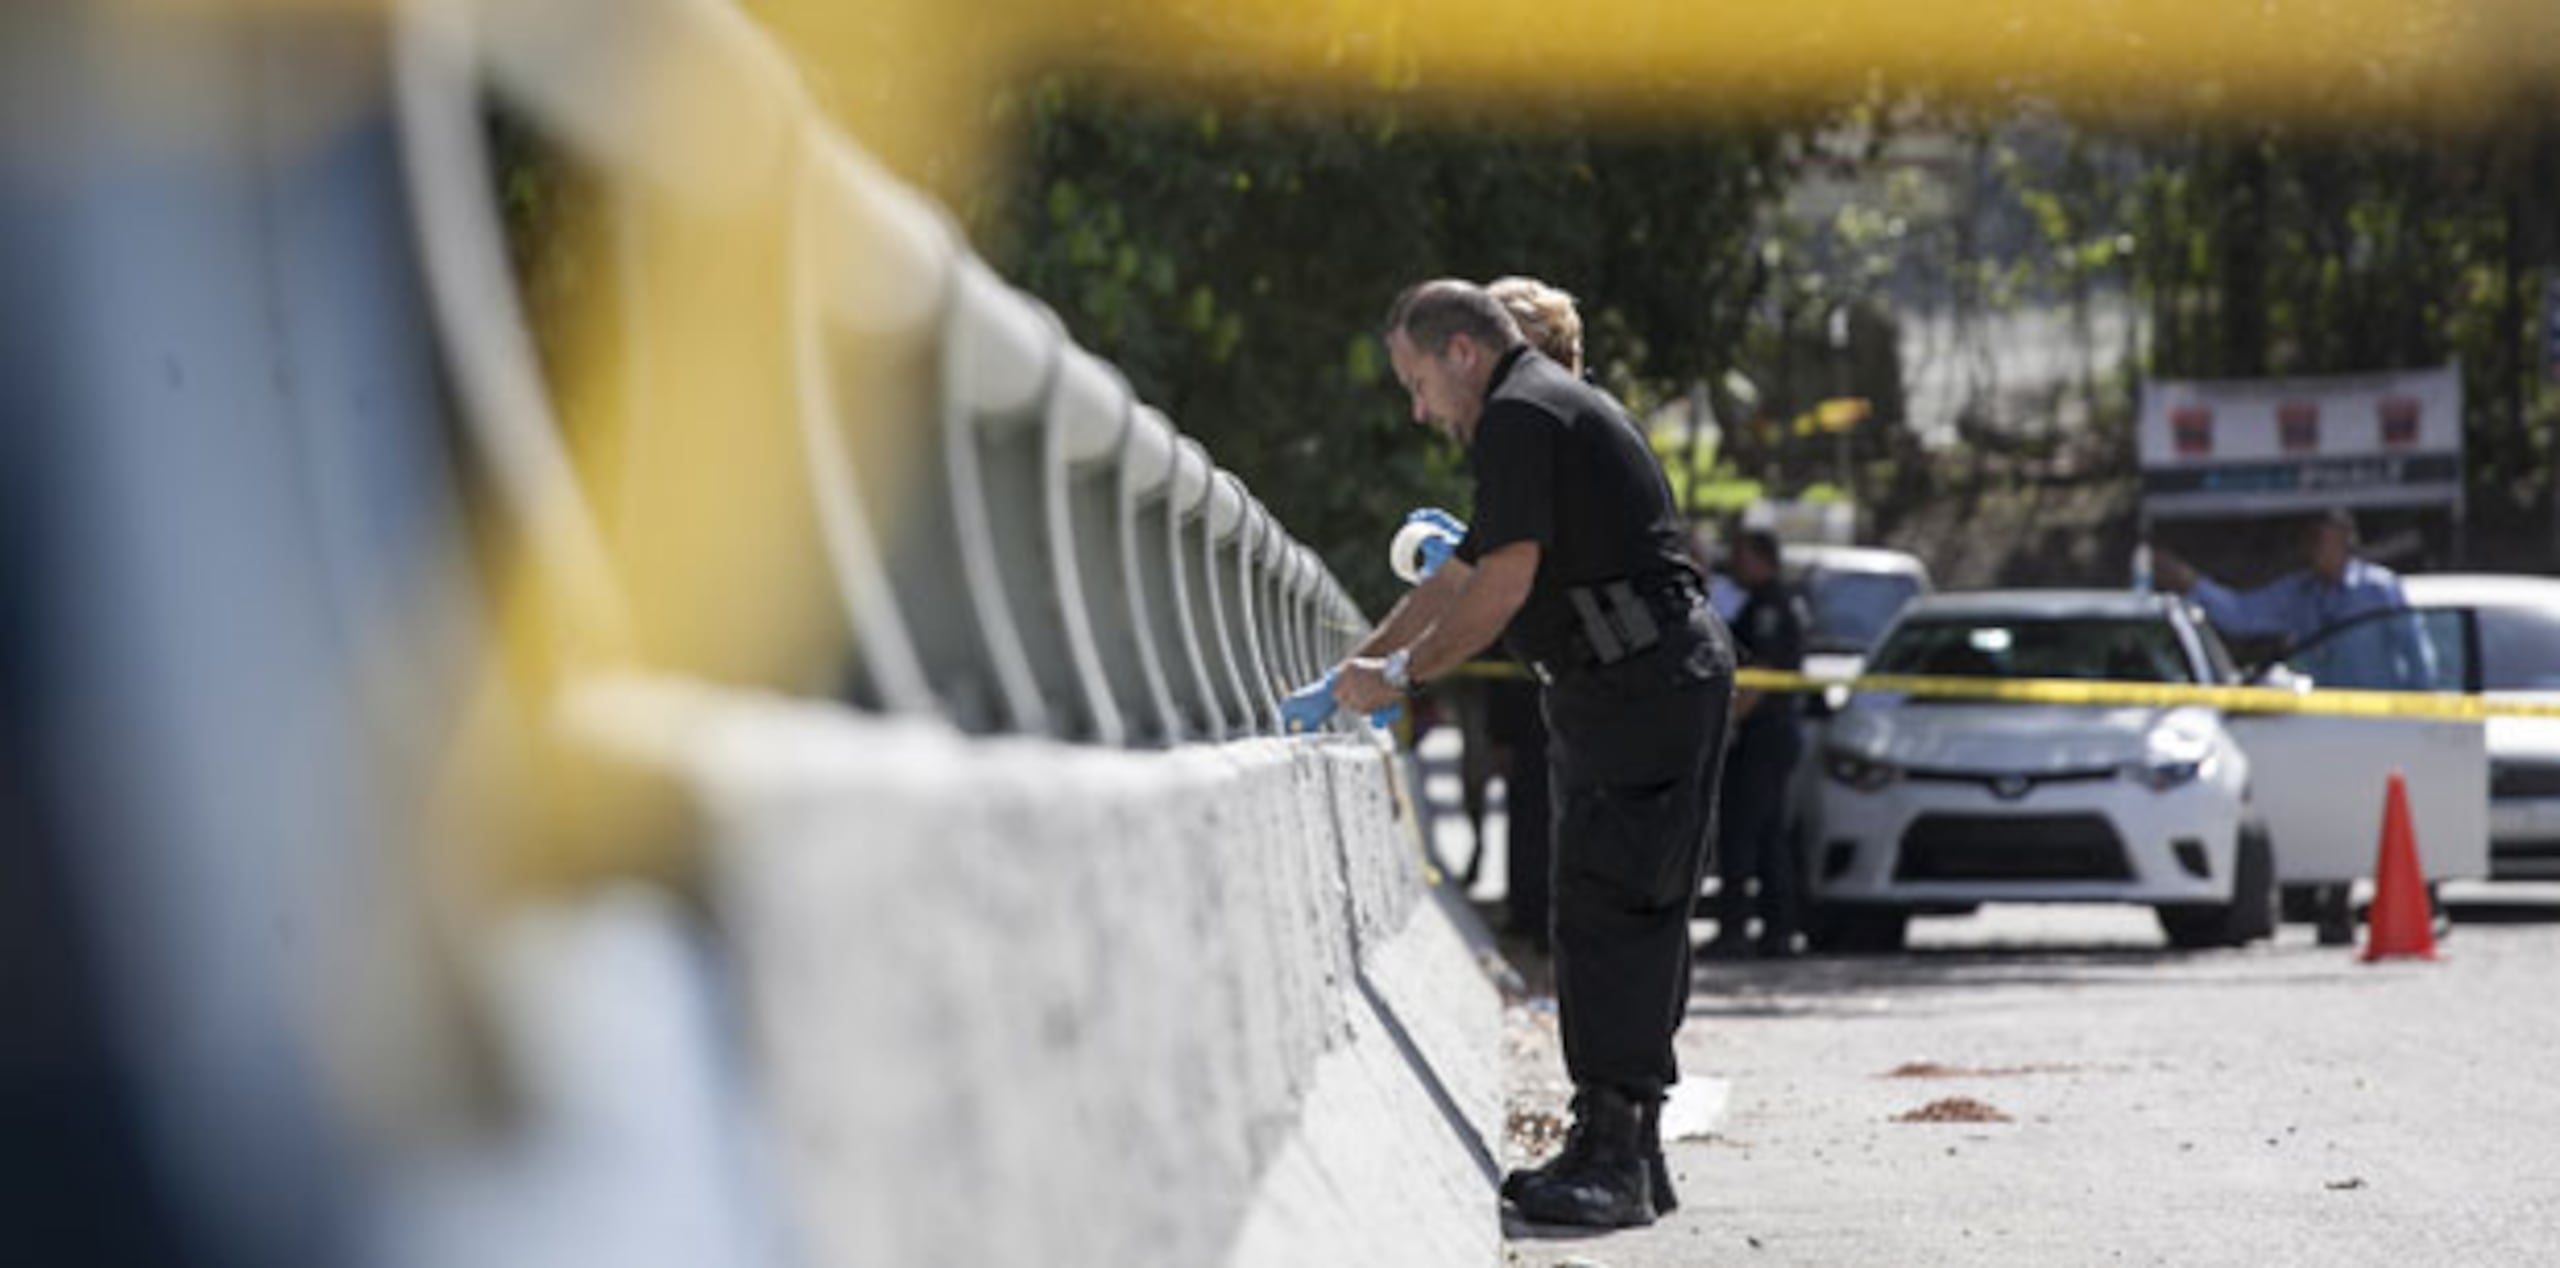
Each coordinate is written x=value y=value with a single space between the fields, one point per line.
x=1552 y=323
x=1754 y=844
x=2334 y=586
x=1548 y=316
x=1723 y=593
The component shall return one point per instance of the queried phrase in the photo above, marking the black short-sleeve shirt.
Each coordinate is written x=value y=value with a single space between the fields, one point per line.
x=1770 y=631
x=1558 y=462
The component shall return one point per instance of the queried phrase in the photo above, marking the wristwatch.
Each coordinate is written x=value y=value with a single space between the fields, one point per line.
x=1394 y=670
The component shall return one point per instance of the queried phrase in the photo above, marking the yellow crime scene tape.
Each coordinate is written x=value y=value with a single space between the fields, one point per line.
x=2336 y=702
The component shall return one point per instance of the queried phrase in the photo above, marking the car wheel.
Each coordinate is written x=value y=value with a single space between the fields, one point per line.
x=2253 y=886
x=2251 y=913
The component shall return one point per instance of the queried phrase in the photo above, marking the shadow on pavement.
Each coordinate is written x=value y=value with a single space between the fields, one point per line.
x=2502 y=902
x=1516 y=1229
x=1838 y=986
x=2502 y=912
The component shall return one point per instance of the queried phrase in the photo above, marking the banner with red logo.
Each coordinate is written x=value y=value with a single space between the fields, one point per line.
x=2213 y=447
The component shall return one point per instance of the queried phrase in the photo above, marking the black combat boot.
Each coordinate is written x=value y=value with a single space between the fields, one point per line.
x=1608 y=1181
x=1665 y=1198
x=1657 y=1167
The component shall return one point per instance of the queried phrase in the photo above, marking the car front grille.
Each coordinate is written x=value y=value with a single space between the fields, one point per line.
x=2524 y=779
x=2076 y=847
x=2010 y=786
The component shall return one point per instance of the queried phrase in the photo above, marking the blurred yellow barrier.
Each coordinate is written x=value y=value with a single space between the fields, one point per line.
x=2440 y=706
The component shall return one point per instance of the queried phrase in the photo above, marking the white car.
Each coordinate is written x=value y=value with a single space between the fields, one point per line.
x=1925 y=805
x=2317 y=778
x=2519 y=657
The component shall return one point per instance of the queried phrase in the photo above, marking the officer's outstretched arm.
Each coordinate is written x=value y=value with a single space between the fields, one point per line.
x=1484 y=603
x=1311 y=706
x=1480 y=611
x=1419 y=610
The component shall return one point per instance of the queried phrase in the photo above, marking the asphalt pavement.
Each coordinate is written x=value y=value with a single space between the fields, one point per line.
x=2051 y=1085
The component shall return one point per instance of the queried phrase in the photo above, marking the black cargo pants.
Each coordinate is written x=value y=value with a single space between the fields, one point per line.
x=1753 y=843
x=1635 y=753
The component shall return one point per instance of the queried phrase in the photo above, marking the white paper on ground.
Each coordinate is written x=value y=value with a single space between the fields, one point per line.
x=1695 y=1108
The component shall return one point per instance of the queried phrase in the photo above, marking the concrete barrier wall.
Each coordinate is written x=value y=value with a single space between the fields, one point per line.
x=1018 y=1002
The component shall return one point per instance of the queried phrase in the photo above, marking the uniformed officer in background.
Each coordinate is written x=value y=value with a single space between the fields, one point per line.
x=1754 y=843
x=1575 y=556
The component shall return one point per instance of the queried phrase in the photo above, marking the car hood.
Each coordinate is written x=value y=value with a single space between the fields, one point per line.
x=2018 y=738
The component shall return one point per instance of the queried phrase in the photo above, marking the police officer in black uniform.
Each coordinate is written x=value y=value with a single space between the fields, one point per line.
x=1575 y=556
x=1753 y=842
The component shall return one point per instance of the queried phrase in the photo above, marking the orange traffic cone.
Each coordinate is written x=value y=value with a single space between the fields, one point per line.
x=2400 y=926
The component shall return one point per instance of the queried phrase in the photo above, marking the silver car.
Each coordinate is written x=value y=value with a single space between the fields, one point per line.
x=1934 y=805
x=2519 y=659
x=1853 y=593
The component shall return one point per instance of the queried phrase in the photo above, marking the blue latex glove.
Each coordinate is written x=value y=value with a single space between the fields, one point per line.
x=1309 y=707
x=1435 y=552
x=1438 y=518
x=1437 y=539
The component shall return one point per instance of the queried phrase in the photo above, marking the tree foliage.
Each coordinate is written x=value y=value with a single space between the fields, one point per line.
x=2246 y=248
x=2274 y=252
x=1236 y=260
x=1230 y=240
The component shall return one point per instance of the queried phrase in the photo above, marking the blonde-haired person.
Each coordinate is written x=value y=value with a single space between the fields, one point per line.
x=1547 y=316
x=1517 y=735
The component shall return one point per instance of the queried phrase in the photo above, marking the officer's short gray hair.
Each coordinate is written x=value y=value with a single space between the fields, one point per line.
x=1430 y=314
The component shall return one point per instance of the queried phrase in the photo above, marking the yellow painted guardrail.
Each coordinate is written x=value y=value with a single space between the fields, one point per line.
x=2336 y=702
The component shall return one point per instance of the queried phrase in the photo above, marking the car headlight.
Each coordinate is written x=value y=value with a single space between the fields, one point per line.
x=1862 y=773
x=2160 y=774
x=2173 y=757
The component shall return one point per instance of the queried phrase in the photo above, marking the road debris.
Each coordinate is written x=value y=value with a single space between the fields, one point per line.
x=1938 y=1070
x=1954 y=1109
x=1534 y=1133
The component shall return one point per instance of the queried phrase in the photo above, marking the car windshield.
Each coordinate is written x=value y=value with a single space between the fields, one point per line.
x=2122 y=649
x=1850 y=609
x=2519 y=649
